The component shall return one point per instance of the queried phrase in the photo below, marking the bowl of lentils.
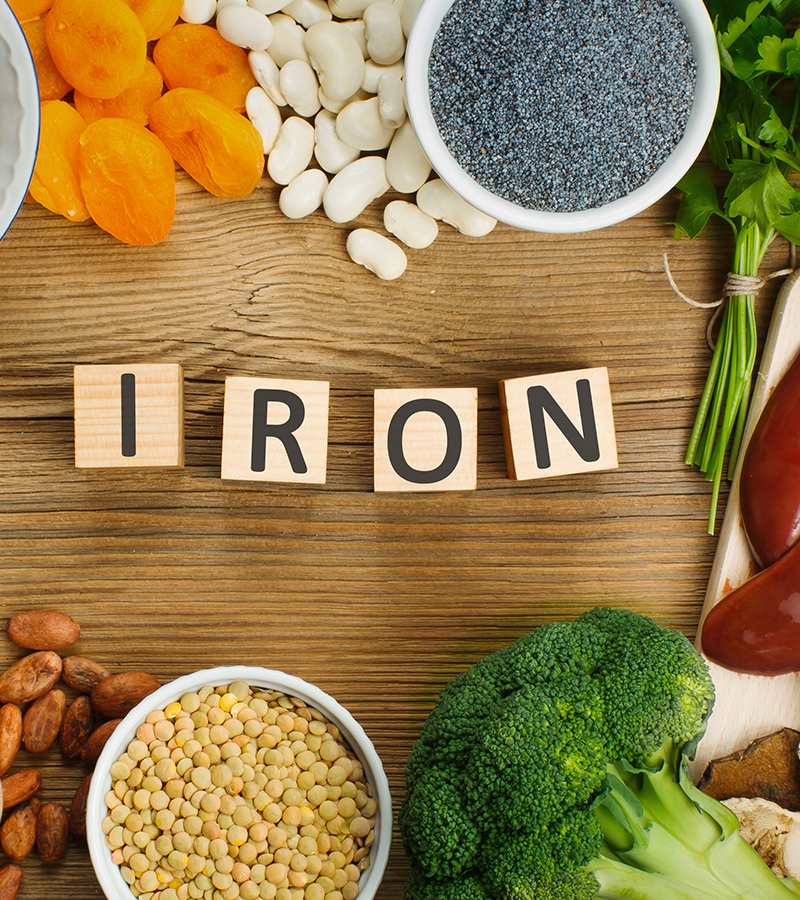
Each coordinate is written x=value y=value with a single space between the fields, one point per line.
x=562 y=116
x=239 y=783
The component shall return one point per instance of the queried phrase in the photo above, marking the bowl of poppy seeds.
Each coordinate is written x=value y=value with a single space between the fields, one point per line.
x=562 y=116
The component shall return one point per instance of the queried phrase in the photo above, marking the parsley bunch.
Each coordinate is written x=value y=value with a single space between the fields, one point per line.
x=753 y=140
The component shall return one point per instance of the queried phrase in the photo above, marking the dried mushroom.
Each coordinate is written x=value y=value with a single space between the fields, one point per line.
x=772 y=831
x=768 y=768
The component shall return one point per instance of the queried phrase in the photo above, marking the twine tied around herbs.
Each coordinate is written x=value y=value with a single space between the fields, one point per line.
x=735 y=286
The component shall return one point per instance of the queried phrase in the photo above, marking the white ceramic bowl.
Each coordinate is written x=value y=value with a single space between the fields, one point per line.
x=108 y=873
x=19 y=116
x=701 y=33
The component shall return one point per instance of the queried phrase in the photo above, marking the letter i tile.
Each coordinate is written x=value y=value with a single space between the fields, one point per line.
x=128 y=415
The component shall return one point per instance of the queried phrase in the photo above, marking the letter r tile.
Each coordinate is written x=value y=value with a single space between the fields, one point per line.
x=558 y=424
x=275 y=429
x=128 y=415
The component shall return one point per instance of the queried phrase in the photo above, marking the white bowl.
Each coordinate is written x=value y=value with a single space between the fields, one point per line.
x=108 y=873
x=19 y=109
x=701 y=34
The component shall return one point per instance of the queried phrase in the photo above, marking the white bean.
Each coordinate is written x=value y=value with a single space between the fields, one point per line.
x=441 y=202
x=352 y=68
x=332 y=153
x=385 y=40
x=288 y=42
x=300 y=87
x=354 y=188
x=359 y=124
x=359 y=32
x=292 y=151
x=265 y=116
x=303 y=194
x=410 y=224
x=308 y=12
x=373 y=72
x=336 y=58
x=408 y=13
x=198 y=12
x=267 y=74
x=407 y=167
x=244 y=26
x=268 y=7
x=348 y=9
x=391 y=101
x=336 y=106
x=376 y=253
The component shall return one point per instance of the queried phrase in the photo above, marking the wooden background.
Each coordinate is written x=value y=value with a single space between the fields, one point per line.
x=377 y=598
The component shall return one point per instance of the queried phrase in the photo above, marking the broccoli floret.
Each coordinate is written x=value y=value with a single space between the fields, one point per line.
x=459 y=887
x=530 y=778
x=518 y=864
x=555 y=769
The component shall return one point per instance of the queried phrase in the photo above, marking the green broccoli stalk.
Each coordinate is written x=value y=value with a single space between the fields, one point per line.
x=555 y=769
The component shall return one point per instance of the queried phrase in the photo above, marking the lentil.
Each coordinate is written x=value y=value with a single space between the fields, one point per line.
x=193 y=811
x=561 y=105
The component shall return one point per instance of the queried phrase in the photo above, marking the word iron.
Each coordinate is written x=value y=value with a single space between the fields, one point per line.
x=276 y=430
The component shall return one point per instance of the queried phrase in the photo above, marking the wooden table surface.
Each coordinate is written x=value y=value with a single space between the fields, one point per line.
x=377 y=598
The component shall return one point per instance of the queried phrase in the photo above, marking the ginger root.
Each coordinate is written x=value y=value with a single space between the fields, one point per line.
x=774 y=832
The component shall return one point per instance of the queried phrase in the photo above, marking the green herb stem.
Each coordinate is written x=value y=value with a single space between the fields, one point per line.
x=720 y=419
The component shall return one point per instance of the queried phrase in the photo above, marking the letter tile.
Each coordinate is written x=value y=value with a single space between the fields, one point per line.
x=558 y=424
x=275 y=429
x=426 y=440
x=128 y=415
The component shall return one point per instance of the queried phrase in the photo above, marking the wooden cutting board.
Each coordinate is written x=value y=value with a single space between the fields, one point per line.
x=749 y=706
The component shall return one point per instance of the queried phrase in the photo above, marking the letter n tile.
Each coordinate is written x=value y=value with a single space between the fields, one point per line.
x=558 y=424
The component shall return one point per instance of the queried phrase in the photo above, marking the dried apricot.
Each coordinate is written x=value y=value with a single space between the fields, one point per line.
x=25 y=10
x=128 y=179
x=52 y=84
x=56 y=183
x=197 y=56
x=99 y=46
x=157 y=16
x=217 y=146
x=133 y=103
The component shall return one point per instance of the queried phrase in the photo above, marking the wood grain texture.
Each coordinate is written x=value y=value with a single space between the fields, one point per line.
x=378 y=598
